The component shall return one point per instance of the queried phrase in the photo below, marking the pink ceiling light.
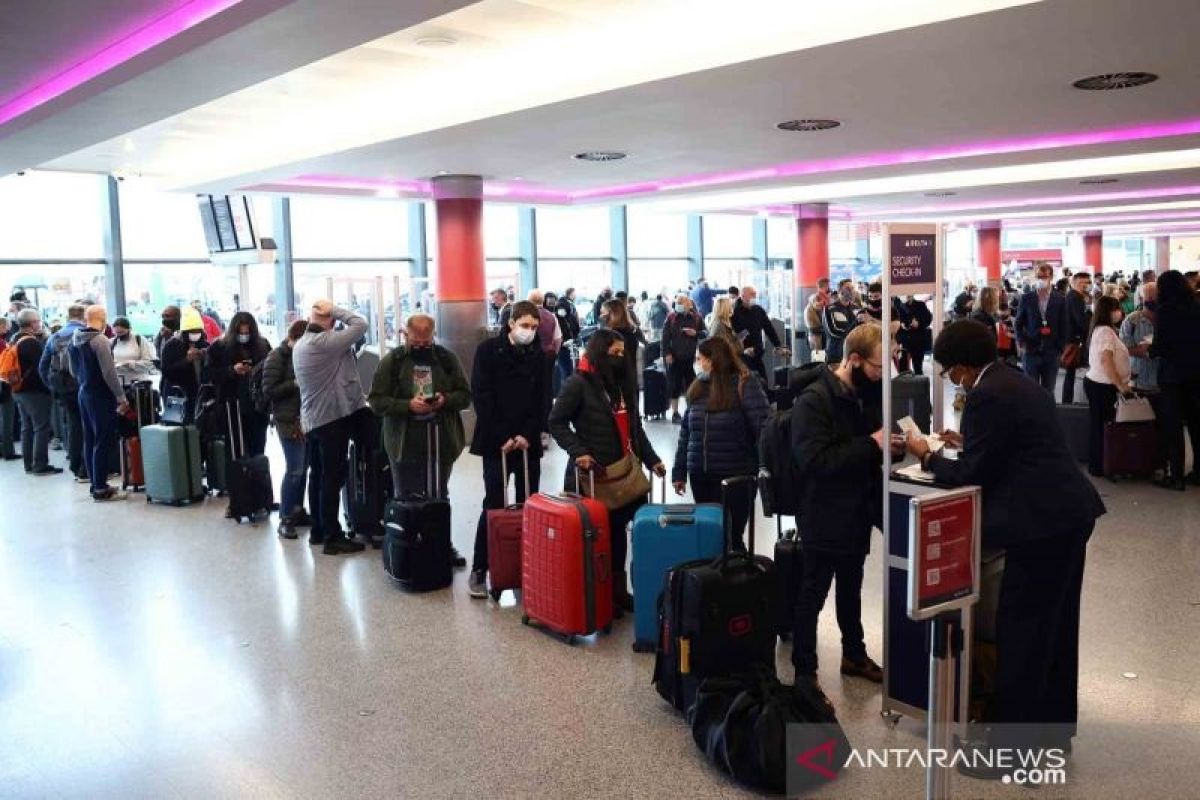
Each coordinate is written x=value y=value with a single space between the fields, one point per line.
x=147 y=34
x=366 y=184
x=942 y=209
x=1101 y=220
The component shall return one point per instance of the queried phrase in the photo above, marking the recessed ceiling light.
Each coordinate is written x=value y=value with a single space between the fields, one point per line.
x=943 y=193
x=436 y=41
x=443 y=172
x=128 y=145
x=600 y=155
x=1115 y=80
x=808 y=125
x=1097 y=181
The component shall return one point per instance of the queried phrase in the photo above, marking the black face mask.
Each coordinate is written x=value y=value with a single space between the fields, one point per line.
x=423 y=354
x=617 y=363
x=862 y=384
x=124 y=337
x=170 y=323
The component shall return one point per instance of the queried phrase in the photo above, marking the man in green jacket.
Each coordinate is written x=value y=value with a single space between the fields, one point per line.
x=418 y=386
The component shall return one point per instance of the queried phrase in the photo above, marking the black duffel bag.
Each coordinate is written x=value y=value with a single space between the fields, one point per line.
x=741 y=723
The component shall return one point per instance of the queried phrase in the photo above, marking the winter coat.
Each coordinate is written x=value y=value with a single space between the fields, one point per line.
x=222 y=357
x=509 y=392
x=180 y=374
x=675 y=342
x=392 y=392
x=582 y=423
x=721 y=444
x=279 y=384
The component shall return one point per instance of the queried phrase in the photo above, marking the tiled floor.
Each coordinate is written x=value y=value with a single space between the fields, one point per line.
x=163 y=652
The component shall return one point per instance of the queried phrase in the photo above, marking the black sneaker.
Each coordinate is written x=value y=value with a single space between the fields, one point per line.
x=456 y=559
x=336 y=547
x=287 y=529
x=302 y=520
x=316 y=541
x=46 y=470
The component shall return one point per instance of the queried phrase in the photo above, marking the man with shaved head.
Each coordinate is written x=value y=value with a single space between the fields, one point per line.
x=750 y=322
x=101 y=399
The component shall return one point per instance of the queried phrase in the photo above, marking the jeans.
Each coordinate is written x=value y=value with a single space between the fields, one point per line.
x=291 y=488
x=334 y=439
x=494 y=497
x=707 y=489
x=35 y=428
x=68 y=406
x=1180 y=406
x=99 y=412
x=1042 y=366
x=8 y=410
x=820 y=568
x=1102 y=401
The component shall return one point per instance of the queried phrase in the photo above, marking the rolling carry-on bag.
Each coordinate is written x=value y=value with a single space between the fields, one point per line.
x=133 y=477
x=142 y=412
x=367 y=492
x=717 y=617
x=171 y=459
x=1131 y=448
x=416 y=539
x=1074 y=418
x=654 y=393
x=566 y=564
x=504 y=527
x=250 y=491
x=662 y=537
x=789 y=571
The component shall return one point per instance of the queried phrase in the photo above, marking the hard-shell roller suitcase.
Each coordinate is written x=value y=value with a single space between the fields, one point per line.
x=142 y=412
x=654 y=393
x=718 y=617
x=1131 y=448
x=216 y=465
x=566 y=565
x=133 y=476
x=664 y=536
x=1075 y=420
x=789 y=572
x=504 y=527
x=171 y=456
x=250 y=491
x=416 y=539
x=367 y=492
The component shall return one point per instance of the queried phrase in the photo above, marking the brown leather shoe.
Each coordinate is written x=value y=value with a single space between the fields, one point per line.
x=864 y=669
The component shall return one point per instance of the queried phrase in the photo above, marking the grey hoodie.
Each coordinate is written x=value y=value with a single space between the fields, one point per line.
x=327 y=372
x=92 y=364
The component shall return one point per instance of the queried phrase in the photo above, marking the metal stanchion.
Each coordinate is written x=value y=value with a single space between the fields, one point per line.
x=945 y=645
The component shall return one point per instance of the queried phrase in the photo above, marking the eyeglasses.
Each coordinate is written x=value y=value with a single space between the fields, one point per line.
x=875 y=364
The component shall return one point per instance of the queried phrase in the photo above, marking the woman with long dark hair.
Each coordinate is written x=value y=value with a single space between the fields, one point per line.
x=718 y=437
x=231 y=359
x=1107 y=377
x=1177 y=346
x=617 y=319
x=593 y=420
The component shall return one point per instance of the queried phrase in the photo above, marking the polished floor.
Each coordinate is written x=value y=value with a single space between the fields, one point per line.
x=159 y=652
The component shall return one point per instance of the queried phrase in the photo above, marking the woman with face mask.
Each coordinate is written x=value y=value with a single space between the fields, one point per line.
x=618 y=320
x=508 y=392
x=595 y=423
x=279 y=384
x=718 y=437
x=231 y=359
x=185 y=359
x=681 y=334
x=133 y=354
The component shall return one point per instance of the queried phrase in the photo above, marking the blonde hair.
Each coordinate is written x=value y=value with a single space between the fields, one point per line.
x=864 y=340
x=723 y=311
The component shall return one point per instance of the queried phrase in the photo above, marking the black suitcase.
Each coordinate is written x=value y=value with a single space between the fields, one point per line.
x=911 y=398
x=789 y=572
x=1075 y=422
x=368 y=490
x=250 y=492
x=416 y=539
x=717 y=618
x=652 y=353
x=780 y=377
x=654 y=393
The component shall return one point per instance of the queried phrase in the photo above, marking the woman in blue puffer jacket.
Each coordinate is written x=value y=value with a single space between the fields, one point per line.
x=718 y=437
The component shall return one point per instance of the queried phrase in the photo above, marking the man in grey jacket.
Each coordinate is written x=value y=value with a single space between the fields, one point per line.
x=101 y=398
x=333 y=408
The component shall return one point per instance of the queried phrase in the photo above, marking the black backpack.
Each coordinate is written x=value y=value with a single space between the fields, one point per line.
x=258 y=394
x=62 y=380
x=778 y=478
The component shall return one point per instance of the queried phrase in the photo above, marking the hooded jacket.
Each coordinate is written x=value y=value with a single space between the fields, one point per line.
x=279 y=383
x=92 y=365
x=179 y=374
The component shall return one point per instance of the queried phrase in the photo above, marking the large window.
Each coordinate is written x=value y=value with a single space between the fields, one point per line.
x=52 y=215
x=53 y=287
x=728 y=236
x=656 y=235
x=160 y=225
x=658 y=276
x=501 y=231
x=781 y=238
x=573 y=232
x=345 y=227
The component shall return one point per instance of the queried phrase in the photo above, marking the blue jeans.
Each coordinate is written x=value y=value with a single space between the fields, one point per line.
x=1042 y=366
x=291 y=490
x=99 y=412
x=35 y=428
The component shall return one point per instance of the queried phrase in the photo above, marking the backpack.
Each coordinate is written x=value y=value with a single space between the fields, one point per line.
x=778 y=478
x=258 y=394
x=62 y=381
x=10 y=365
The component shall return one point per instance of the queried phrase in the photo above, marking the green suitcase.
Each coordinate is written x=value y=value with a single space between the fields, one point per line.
x=171 y=460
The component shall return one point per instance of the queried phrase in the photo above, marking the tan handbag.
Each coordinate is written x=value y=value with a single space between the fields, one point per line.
x=622 y=483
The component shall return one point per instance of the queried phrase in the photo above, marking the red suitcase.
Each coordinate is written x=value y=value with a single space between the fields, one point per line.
x=566 y=565
x=1131 y=448
x=504 y=527
x=132 y=476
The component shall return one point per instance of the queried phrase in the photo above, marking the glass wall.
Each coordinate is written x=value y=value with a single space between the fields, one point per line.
x=656 y=235
x=658 y=276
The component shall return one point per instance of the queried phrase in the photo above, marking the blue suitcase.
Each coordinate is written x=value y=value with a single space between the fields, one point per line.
x=663 y=536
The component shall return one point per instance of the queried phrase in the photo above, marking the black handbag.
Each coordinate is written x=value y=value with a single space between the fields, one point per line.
x=742 y=723
x=209 y=415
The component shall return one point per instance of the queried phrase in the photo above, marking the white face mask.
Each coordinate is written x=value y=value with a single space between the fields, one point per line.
x=195 y=337
x=1042 y=284
x=523 y=335
x=243 y=338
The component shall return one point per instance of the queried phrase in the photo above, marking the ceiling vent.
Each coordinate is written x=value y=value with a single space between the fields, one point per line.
x=1115 y=80
x=600 y=155
x=808 y=125
x=1097 y=181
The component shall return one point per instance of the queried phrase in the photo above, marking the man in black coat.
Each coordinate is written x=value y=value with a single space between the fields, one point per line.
x=1079 y=320
x=838 y=450
x=1040 y=508
x=1041 y=329
x=750 y=322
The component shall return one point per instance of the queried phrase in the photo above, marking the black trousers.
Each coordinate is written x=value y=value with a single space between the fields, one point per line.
x=913 y=358
x=820 y=569
x=69 y=405
x=1037 y=632
x=1180 y=406
x=334 y=440
x=313 y=457
x=1102 y=409
x=755 y=364
x=494 y=487
x=707 y=489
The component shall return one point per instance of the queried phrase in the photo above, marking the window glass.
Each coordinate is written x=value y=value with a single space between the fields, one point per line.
x=53 y=287
x=52 y=215
x=501 y=231
x=150 y=287
x=505 y=274
x=656 y=235
x=587 y=277
x=728 y=236
x=348 y=227
x=567 y=232
x=654 y=277
x=161 y=224
x=353 y=285
x=781 y=237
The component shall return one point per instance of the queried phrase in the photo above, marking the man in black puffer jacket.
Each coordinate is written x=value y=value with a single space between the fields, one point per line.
x=838 y=449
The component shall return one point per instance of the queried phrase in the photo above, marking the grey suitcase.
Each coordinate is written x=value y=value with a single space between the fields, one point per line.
x=171 y=457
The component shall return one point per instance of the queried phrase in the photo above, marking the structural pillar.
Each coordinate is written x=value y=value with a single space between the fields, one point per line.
x=285 y=275
x=417 y=245
x=812 y=264
x=114 y=253
x=618 y=230
x=762 y=253
x=1162 y=254
x=988 y=237
x=1093 y=251
x=695 y=247
x=460 y=289
x=527 y=243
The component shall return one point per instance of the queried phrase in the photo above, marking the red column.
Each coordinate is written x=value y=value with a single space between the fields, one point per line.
x=988 y=237
x=812 y=225
x=460 y=262
x=1093 y=251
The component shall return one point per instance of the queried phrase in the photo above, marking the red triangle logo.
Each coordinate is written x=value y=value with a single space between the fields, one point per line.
x=819 y=759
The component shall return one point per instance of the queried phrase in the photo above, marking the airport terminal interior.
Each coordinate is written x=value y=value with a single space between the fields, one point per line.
x=435 y=162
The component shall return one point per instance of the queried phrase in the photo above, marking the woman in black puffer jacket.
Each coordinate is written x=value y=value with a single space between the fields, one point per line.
x=718 y=437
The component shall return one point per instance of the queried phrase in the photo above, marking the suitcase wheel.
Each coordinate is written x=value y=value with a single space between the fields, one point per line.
x=524 y=619
x=570 y=639
x=607 y=628
x=495 y=593
x=643 y=647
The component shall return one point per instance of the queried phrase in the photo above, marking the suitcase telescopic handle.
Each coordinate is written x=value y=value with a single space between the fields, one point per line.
x=726 y=485
x=579 y=484
x=433 y=467
x=504 y=474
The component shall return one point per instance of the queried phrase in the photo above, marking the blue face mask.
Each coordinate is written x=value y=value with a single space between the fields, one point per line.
x=680 y=308
x=701 y=373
